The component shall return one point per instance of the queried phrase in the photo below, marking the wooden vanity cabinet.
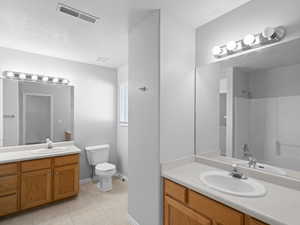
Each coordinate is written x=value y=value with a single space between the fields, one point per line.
x=183 y=206
x=28 y=184
x=66 y=176
x=9 y=188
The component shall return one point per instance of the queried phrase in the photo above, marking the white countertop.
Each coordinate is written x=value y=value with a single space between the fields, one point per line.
x=23 y=153
x=280 y=206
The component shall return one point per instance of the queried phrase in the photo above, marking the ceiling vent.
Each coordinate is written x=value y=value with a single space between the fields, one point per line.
x=63 y=8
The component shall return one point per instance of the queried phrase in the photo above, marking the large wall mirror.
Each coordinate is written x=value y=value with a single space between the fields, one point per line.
x=248 y=107
x=34 y=111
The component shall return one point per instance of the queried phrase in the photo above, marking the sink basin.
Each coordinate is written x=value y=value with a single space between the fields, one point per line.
x=224 y=182
x=268 y=169
x=48 y=151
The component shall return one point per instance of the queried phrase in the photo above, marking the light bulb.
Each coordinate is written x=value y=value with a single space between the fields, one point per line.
x=22 y=76
x=10 y=74
x=249 y=40
x=45 y=79
x=231 y=46
x=34 y=77
x=65 y=81
x=55 y=80
x=217 y=50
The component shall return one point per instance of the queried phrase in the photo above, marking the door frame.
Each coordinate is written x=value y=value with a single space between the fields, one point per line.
x=24 y=113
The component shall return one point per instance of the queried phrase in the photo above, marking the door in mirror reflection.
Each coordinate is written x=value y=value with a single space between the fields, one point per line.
x=37 y=118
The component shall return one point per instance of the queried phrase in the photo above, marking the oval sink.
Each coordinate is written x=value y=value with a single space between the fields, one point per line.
x=48 y=151
x=224 y=182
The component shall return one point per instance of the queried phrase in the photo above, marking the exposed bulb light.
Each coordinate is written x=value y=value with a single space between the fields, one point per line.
x=10 y=74
x=65 y=81
x=55 y=80
x=22 y=76
x=231 y=46
x=249 y=40
x=217 y=51
x=34 y=77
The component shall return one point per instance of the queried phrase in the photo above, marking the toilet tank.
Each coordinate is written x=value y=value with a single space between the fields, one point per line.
x=97 y=154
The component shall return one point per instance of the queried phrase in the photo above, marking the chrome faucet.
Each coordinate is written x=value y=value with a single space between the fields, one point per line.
x=236 y=173
x=49 y=143
x=252 y=162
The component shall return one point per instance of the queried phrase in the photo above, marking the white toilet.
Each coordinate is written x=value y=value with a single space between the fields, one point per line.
x=98 y=158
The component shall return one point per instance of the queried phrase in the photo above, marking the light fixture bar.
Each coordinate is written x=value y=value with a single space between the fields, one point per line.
x=251 y=41
x=34 y=78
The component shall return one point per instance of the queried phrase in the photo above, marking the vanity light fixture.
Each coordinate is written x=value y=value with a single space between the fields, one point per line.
x=251 y=41
x=34 y=78
x=45 y=79
x=10 y=74
x=55 y=80
x=22 y=76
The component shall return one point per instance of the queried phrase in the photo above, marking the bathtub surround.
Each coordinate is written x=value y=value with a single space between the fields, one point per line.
x=266 y=119
x=95 y=95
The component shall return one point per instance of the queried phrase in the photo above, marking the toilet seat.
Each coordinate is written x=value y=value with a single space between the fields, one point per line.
x=105 y=169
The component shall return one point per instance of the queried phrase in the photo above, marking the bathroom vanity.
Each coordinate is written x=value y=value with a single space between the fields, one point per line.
x=37 y=176
x=185 y=206
x=189 y=201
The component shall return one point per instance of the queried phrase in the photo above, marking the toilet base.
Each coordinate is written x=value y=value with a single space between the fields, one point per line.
x=105 y=183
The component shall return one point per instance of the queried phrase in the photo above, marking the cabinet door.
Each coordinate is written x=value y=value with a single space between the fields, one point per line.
x=35 y=188
x=8 y=204
x=66 y=181
x=251 y=221
x=177 y=214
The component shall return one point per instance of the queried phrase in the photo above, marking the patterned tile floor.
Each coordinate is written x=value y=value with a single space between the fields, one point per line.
x=90 y=207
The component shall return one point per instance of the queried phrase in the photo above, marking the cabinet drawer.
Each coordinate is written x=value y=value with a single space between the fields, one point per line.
x=175 y=191
x=251 y=221
x=8 y=169
x=66 y=160
x=214 y=210
x=36 y=165
x=8 y=185
x=8 y=204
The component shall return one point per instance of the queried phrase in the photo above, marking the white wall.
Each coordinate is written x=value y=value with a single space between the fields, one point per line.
x=177 y=76
x=95 y=96
x=122 y=138
x=144 y=164
x=252 y=17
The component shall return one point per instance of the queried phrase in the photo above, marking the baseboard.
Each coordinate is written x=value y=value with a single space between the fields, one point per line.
x=85 y=181
x=132 y=221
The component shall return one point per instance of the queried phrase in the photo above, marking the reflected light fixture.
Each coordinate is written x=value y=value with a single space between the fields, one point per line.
x=250 y=41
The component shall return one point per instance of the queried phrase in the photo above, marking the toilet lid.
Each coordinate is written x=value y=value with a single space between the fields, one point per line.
x=105 y=167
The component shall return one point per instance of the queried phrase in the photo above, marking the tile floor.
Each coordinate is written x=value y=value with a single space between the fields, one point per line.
x=91 y=207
